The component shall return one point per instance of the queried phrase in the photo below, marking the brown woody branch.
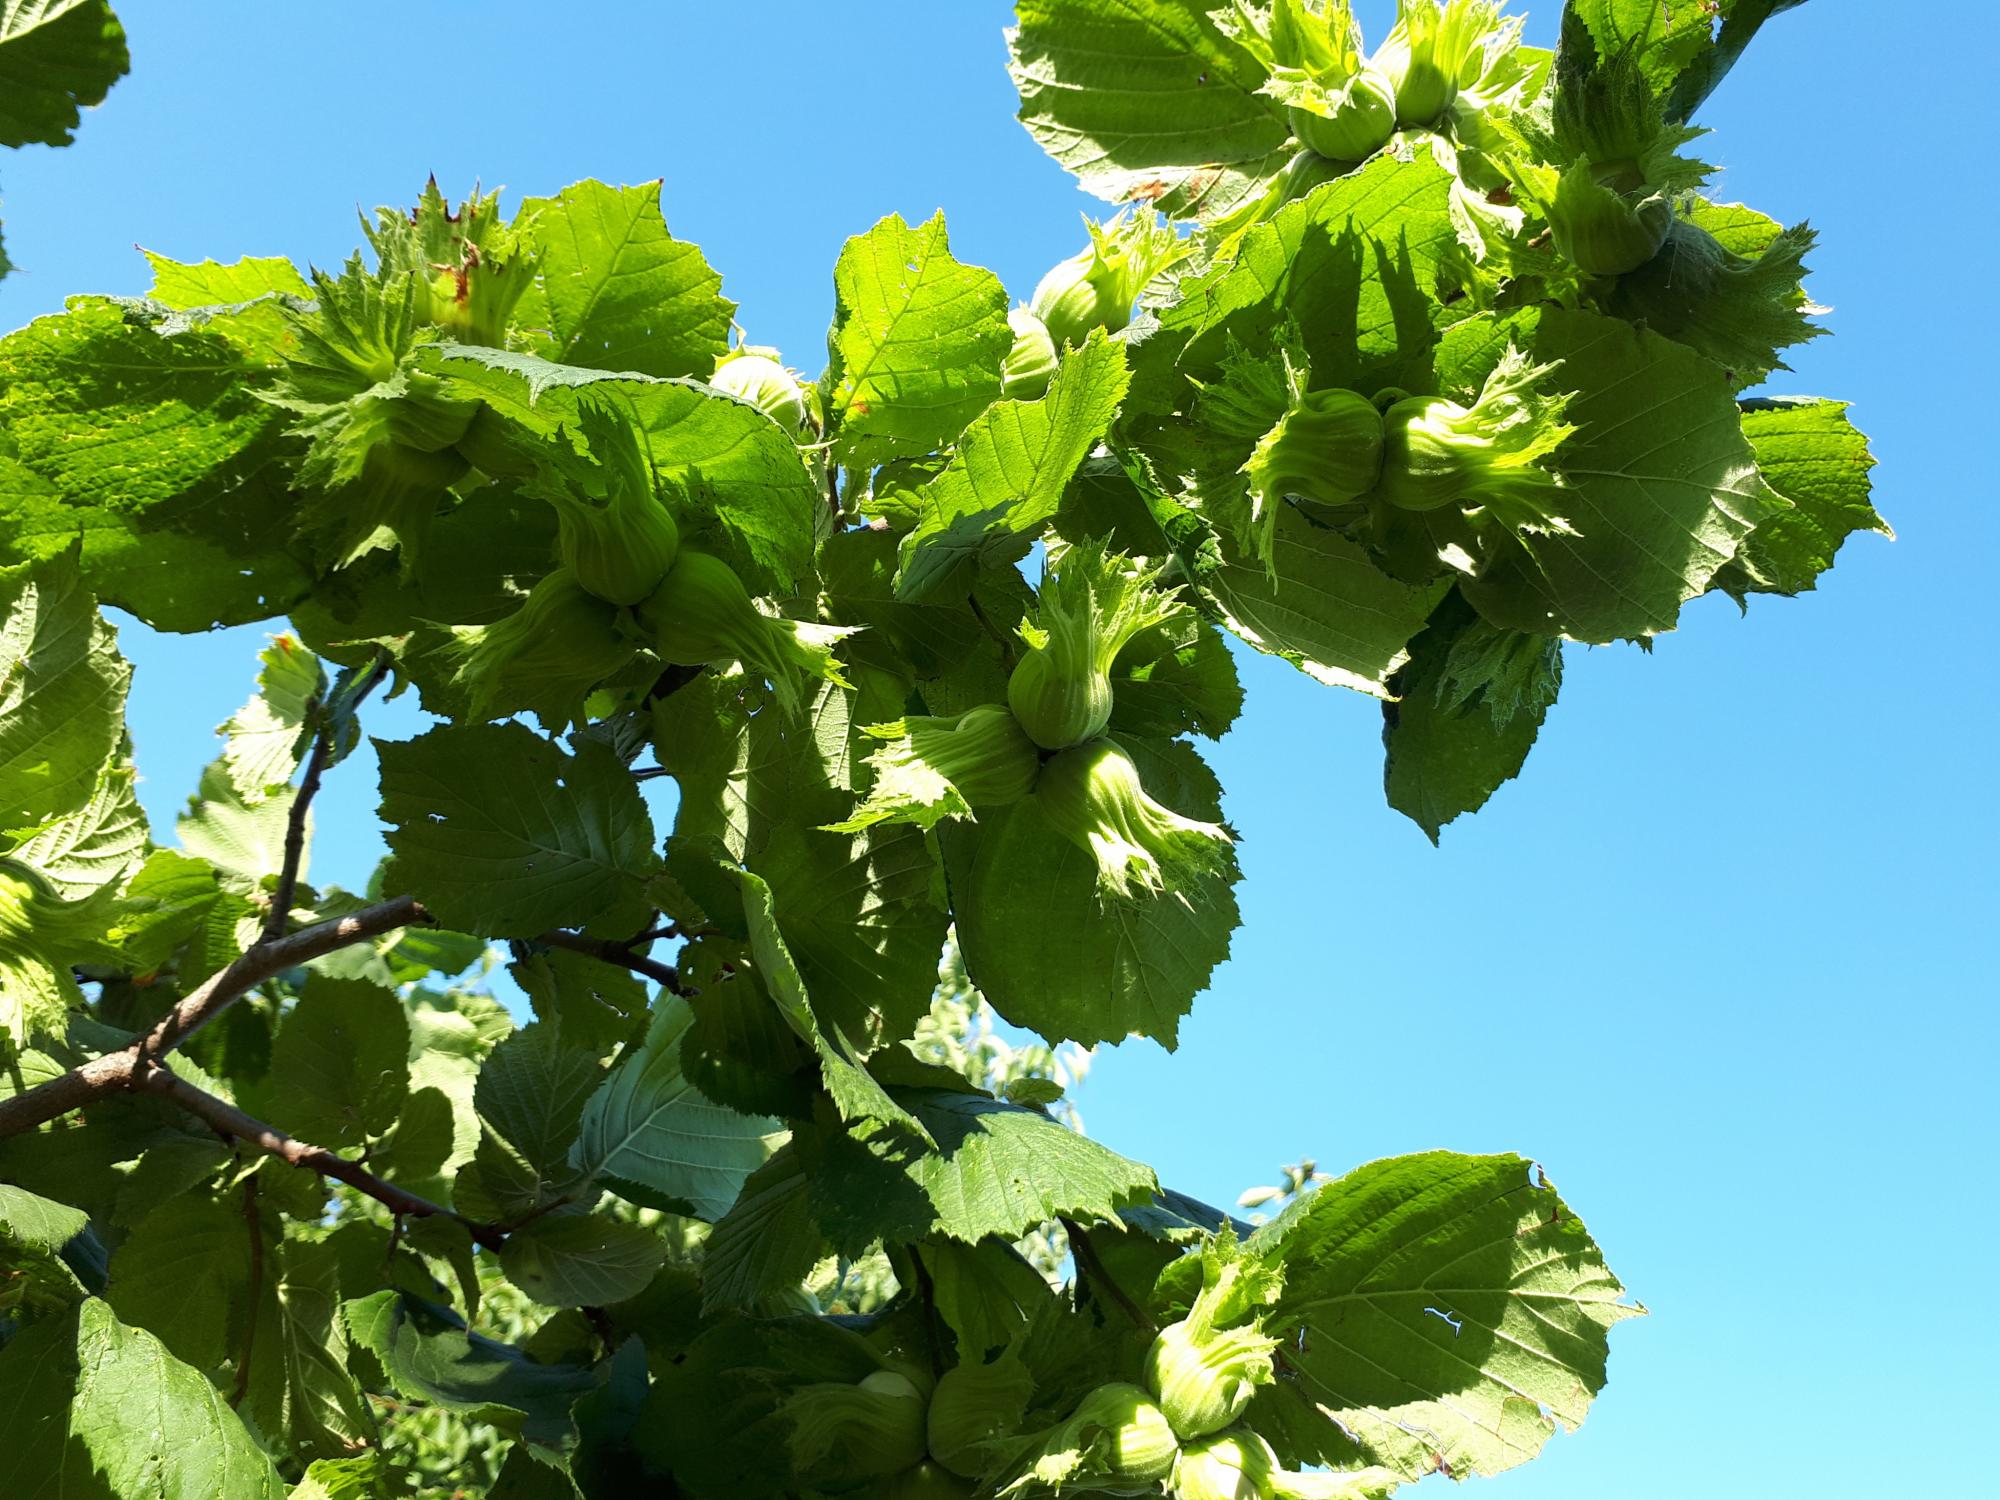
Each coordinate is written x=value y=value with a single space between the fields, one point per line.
x=226 y=1119
x=620 y=954
x=120 y=1071
x=279 y=917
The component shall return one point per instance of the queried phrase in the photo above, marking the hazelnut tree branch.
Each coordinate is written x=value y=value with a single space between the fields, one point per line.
x=333 y=715
x=119 y=1071
x=607 y=951
x=226 y=1119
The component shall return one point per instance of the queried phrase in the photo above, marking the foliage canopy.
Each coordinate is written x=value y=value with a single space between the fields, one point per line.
x=1410 y=366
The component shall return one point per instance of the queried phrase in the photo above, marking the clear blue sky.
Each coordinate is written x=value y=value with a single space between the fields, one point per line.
x=1717 y=961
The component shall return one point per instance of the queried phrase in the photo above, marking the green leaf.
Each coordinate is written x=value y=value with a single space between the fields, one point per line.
x=582 y=1260
x=247 y=302
x=428 y=1356
x=592 y=1003
x=116 y=409
x=300 y=1389
x=34 y=1232
x=1663 y=487
x=1007 y=474
x=985 y=1293
x=164 y=904
x=935 y=636
x=853 y=1089
x=95 y=845
x=530 y=1097
x=999 y=1170
x=1471 y=701
x=340 y=1066
x=172 y=581
x=1190 y=688
x=264 y=740
x=91 y=1408
x=1663 y=39
x=1446 y=1311
x=210 y=283
x=614 y=290
x=35 y=1225
x=1351 y=268
x=1681 y=50
x=1330 y=611
x=500 y=833
x=1147 y=101
x=1021 y=891
x=343 y=1479
x=244 y=842
x=861 y=917
x=916 y=344
x=1740 y=304
x=450 y=1035
x=62 y=693
x=712 y=1419
x=57 y=58
x=742 y=469
x=653 y=1137
x=1810 y=453
x=42 y=937
x=416 y=1149
x=180 y=1273
x=766 y=1243
x=1741 y=20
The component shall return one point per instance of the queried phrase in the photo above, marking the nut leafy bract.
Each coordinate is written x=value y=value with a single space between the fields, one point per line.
x=1410 y=366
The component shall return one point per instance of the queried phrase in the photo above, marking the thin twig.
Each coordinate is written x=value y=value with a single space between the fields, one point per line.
x=253 y=1219
x=226 y=1119
x=620 y=954
x=279 y=917
x=118 y=1070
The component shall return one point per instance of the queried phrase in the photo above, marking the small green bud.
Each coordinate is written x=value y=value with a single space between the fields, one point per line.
x=1097 y=287
x=753 y=374
x=1090 y=606
x=1205 y=1368
x=844 y=1434
x=1093 y=796
x=616 y=533
x=701 y=614
x=1031 y=364
x=1327 y=448
x=545 y=656
x=973 y=1406
x=392 y=501
x=418 y=411
x=1057 y=706
x=473 y=268
x=1436 y=49
x=1604 y=231
x=1484 y=458
x=1124 y=1427
x=1205 y=1377
x=1237 y=1465
x=1348 y=124
x=935 y=768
